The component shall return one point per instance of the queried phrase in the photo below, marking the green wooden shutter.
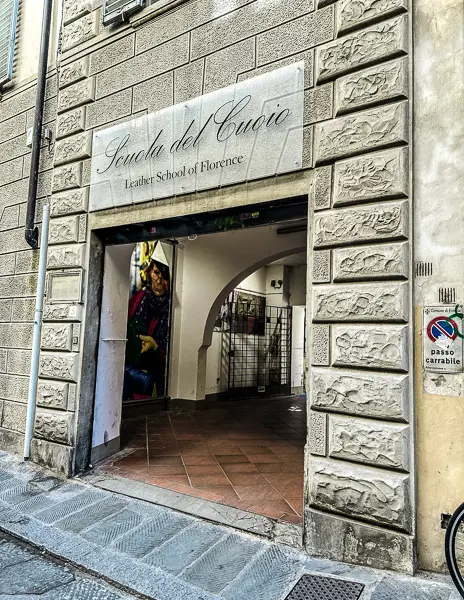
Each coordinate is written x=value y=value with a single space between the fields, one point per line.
x=8 y=19
x=116 y=11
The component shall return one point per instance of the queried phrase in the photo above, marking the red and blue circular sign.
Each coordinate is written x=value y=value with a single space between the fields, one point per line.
x=442 y=327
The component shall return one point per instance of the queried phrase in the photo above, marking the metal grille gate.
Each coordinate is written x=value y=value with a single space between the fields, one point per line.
x=258 y=338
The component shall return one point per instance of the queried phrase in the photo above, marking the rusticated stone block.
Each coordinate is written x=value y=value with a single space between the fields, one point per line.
x=360 y=492
x=77 y=94
x=307 y=56
x=76 y=336
x=112 y=54
x=369 y=442
x=321 y=266
x=318 y=104
x=350 y=15
x=370 y=262
x=52 y=394
x=188 y=84
x=3 y=358
x=73 y=148
x=68 y=203
x=109 y=109
x=386 y=81
x=74 y=72
x=54 y=365
x=64 y=230
x=23 y=309
x=323 y=187
x=5 y=309
x=80 y=31
x=54 y=426
x=354 y=542
x=222 y=67
x=56 y=336
x=13 y=387
x=19 y=362
x=387 y=39
x=67 y=177
x=14 y=416
x=62 y=312
x=308 y=138
x=64 y=257
x=354 y=392
x=362 y=302
x=71 y=122
x=354 y=225
x=381 y=175
x=382 y=347
x=82 y=228
x=74 y=9
x=370 y=129
x=53 y=456
x=295 y=35
x=317 y=434
x=16 y=335
x=320 y=344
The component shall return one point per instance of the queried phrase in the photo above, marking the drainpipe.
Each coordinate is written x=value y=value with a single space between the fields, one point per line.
x=31 y=232
x=30 y=415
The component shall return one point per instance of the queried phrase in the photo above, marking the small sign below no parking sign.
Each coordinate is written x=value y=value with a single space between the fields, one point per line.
x=442 y=339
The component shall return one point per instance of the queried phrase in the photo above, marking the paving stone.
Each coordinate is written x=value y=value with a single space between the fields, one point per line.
x=273 y=570
x=20 y=493
x=149 y=535
x=4 y=476
x=46 y=500
x=9 y=483
x=79 y=521
x=186 y=547
x=57 y=512
x=33 y=577
x=82 y=590
x=11 y=554
x=222 y=563
x=410 y=589
x=111 y=528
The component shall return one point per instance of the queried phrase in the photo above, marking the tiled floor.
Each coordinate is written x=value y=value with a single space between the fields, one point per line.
x=246 y=454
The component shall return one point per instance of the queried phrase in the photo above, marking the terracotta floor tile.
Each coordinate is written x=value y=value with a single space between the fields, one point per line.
x=246 y=479
x=233 y=459
x=226 y=450
x=155 y=452
x=156 y=460
x=280 y=467
x=291 y=518
x=201 y=481
x=213 y=469
x=239 y=468
x=199 y=450
x=172 y=479
x=224 y=493
x=166 y=470
x=285 y=479
x=296 y=504
x=192 y=437
x=199 y=459
x=255 y=450
x=273 y=509
x=255 y=494
x=264 y=458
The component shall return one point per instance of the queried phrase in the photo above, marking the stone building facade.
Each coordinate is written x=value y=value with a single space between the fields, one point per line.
x=362 y=501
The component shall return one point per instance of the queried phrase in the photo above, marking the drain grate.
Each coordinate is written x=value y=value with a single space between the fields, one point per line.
x=317 y=587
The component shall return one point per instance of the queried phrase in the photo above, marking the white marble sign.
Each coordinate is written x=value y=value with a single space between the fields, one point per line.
x=246 y=131
x=65 y=287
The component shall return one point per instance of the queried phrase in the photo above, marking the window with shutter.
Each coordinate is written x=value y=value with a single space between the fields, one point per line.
x=116 y=11
x=8 y=19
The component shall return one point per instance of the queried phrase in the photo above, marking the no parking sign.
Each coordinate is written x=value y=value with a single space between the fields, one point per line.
x=442 y=340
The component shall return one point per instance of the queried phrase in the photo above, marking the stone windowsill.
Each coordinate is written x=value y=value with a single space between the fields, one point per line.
x=153 y=11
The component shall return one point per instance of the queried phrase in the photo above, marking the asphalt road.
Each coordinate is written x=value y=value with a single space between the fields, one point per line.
x=27 y=575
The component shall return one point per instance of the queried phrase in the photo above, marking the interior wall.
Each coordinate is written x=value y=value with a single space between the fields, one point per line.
x=298 y=348
x=298 y=285
x=212 y=266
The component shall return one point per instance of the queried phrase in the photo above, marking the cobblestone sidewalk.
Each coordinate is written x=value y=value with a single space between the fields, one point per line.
x=166 y=555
